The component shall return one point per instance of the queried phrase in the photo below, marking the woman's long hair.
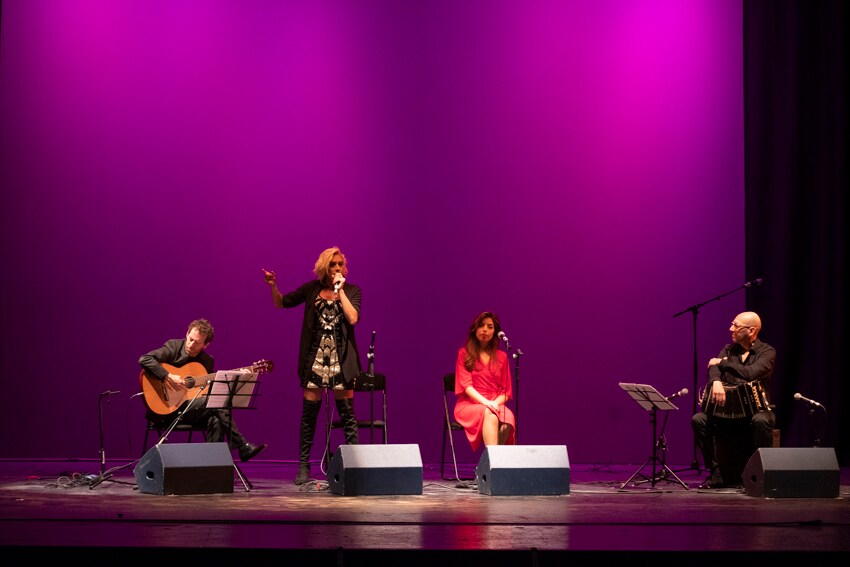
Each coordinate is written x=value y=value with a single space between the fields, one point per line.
x=473 y=350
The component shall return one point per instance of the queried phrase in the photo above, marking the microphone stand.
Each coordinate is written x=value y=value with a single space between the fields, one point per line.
x=371 y=356
x=817 y=440
x=100 y=427
x=694 y=310
x=370 y=372
x=325 y=463
x=516 y=356
x=103 y=474
x=180 y=415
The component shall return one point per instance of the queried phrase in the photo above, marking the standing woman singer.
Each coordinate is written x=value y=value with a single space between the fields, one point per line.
x=327 y=352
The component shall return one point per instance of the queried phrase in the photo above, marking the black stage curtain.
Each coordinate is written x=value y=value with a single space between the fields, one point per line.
x=795 y=138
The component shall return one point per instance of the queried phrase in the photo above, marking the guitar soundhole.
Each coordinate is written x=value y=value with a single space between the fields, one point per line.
x=188 y=381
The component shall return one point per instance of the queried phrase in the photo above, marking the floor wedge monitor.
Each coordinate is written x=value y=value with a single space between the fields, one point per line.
x=506 y=470
x=359 y=470
x=185 y=468
x=792 y=472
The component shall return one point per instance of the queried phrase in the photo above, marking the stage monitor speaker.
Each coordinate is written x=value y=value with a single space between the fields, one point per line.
x=791 y=472
x=185 y=468
x=358 y=470
x=508 y=470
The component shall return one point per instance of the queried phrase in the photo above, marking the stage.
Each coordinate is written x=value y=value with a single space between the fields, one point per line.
x=56 y=508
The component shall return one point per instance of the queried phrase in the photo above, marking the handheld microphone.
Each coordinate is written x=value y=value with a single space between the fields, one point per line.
x=799 y=396
x=503 y=336
x=681 y=392
x=755 y=282
x=337 y=285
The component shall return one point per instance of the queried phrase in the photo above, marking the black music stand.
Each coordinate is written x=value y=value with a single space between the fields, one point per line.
x=652 y=400
x=229 y=390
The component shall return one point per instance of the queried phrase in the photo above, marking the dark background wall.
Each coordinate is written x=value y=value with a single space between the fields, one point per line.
x=578 y=167
x=796 y=204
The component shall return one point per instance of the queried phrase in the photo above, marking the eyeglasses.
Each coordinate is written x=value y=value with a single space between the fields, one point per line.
x=737 y=326
x=335 y=264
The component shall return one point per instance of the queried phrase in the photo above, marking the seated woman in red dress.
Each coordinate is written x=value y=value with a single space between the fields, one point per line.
x=483 y=385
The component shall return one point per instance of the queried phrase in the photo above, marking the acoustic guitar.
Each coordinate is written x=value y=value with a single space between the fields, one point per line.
x=162 y=400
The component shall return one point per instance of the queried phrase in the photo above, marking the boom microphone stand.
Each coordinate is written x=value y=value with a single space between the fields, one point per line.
x=100 y=426
x=104 y=475
x=179 y=417
x=694 y=310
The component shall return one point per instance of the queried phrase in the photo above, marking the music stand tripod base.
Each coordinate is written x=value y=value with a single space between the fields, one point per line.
x=652 y=400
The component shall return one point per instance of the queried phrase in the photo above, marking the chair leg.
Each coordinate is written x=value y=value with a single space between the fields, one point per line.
x=150 y=427
x=145 y=442
x=443 y=455
x=384 y=401
x=447 y=432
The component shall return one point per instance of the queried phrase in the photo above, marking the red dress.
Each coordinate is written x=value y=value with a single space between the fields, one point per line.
x=490 y=381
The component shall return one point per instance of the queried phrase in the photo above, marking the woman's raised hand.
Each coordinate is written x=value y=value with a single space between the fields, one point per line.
x=269 y=276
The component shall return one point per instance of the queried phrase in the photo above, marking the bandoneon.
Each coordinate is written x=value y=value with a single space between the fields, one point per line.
x=743 y=400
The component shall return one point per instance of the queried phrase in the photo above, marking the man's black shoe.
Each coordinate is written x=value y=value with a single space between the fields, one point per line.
x=248 y=451
x=714 y=481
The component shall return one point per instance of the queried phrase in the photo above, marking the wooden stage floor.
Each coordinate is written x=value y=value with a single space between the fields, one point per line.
x=55 y=508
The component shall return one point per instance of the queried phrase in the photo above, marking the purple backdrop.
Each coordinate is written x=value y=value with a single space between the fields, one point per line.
x=576 y=166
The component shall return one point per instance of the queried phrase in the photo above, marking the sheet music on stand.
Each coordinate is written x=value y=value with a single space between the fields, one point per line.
x=648 y=397
x=232 y=389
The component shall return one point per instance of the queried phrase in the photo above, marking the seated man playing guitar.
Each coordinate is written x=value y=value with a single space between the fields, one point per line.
x=736 y=392
x=174 y=373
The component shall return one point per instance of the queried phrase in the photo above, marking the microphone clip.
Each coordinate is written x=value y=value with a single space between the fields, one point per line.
x=504 y=337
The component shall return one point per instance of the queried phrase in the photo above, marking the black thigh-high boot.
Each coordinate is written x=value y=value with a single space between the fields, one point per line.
x=345 y=407
x=309 y=413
